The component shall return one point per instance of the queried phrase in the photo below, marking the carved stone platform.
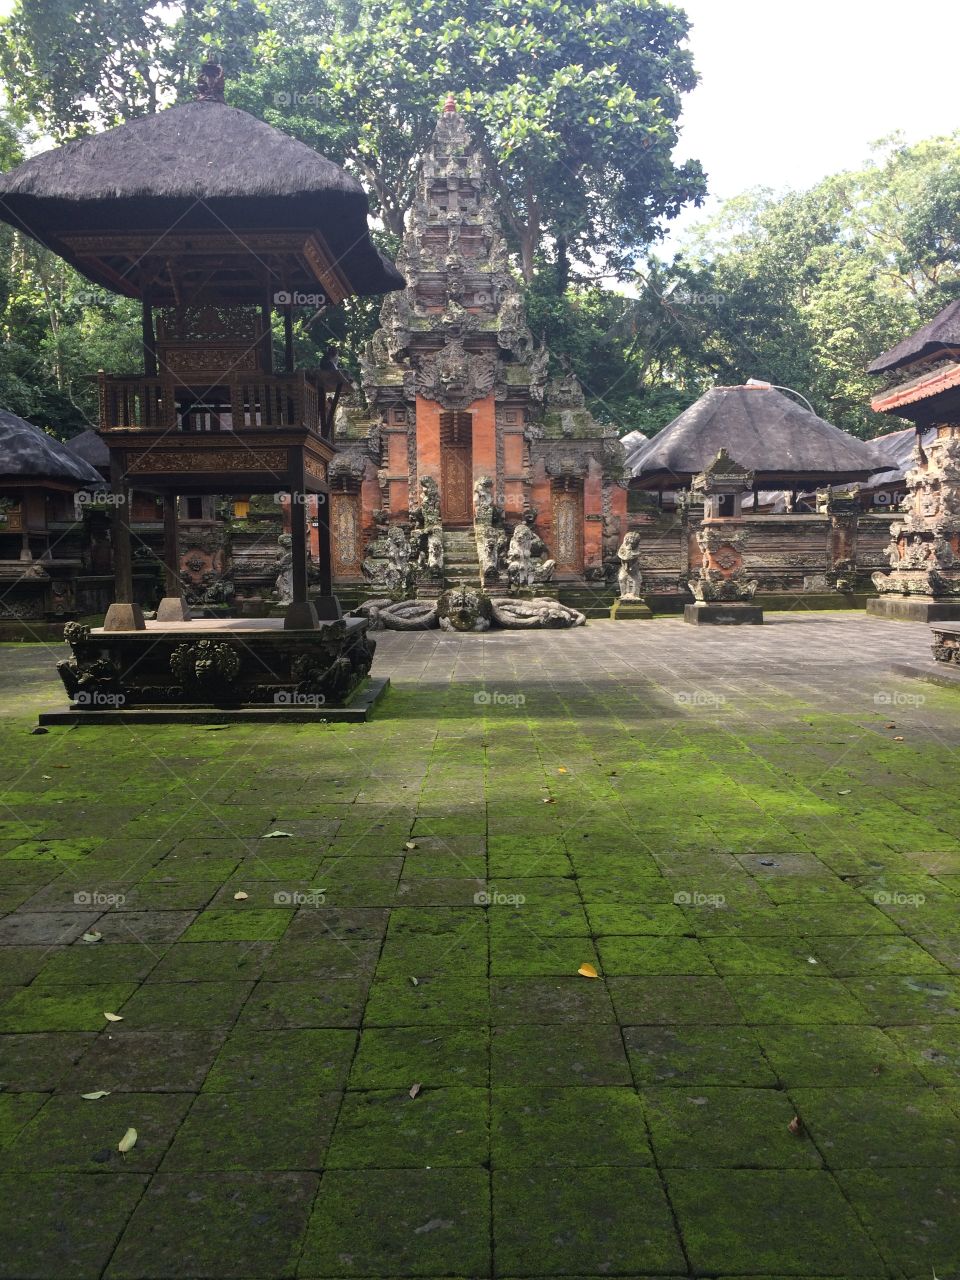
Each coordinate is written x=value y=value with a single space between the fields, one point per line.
x=718 y=614
x=914 y=608
x=222 y=663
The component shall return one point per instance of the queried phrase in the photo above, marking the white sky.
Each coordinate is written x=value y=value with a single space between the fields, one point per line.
x=791 y=92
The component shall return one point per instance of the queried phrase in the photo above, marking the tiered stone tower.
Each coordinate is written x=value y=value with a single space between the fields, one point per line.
x=457 y=395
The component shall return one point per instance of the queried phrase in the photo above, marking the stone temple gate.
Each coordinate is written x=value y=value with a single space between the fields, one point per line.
x=461 y=435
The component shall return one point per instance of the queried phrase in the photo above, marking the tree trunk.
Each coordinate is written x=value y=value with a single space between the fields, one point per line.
x=563 y=265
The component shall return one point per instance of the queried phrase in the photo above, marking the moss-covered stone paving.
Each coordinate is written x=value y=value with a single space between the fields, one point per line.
x=363 y=1048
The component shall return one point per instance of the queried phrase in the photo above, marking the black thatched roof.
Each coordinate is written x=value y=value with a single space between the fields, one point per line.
x=89 y=446
x=199 y=166
x=764 y=430
x=27 y=453
x=942 y=331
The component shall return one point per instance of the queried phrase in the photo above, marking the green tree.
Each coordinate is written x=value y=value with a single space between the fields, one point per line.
x=576 y=105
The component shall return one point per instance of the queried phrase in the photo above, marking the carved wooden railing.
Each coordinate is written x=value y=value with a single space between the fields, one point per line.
x=244 y=401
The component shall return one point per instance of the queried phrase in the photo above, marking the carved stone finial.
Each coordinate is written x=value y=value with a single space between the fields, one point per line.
x=210 y=83
x=450 y=106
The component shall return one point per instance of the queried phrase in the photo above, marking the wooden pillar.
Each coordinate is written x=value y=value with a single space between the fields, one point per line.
x=288 y=337
x=300 y=614
x=325 y=559
x=173 y=607
x=149 y=337
x=123 y=614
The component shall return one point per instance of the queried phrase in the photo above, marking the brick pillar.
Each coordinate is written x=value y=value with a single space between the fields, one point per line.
x=593 y=516
x=428 y=438
x=484 y=442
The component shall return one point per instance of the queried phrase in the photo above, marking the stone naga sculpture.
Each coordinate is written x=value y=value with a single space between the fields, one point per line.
x=386 y=614
x=464 y=609
x=507 y=611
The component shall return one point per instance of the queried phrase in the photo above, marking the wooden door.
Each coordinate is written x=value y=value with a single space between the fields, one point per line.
x=568 y=530
x=345 y=534
x=456 y=469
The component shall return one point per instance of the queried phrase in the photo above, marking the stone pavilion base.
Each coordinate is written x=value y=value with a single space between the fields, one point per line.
x=914 y=608
x=716 y=614
x=222 y=664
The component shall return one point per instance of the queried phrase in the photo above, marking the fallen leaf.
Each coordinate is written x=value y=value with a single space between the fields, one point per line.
x=92 y=936
x=240 y=896
x=796 y=1125
x=128 y=1141
x=113 y=1017
x=549 y=800
x=891 y=726
x=272 y=835
x=97 y=1094
x=414 y=1090
x=588 y=971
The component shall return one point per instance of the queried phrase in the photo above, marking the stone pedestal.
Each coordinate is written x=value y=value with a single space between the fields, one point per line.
x=173 y=609
x=628 y=610
x=914 y=608
x=124 y=617
x=327 y=608
x=716 y=614
x=301 y=615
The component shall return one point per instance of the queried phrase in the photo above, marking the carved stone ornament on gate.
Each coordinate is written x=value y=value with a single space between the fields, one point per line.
x=455 y=377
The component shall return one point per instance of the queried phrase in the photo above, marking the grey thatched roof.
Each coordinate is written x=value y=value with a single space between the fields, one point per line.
x=762 y=429
x=27 y=453
x=89 y=446
x=199 y=165
x=898 y=449
x=942 y=331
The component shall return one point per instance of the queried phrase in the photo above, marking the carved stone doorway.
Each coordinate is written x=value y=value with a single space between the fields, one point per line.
x=456 y=469
x=568 y=528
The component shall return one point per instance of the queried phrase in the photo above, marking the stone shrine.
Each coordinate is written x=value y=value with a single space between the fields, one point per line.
x=924 y=549
x=463 y=447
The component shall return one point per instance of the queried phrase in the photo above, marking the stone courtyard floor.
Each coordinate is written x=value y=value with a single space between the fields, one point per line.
x=363 y=1048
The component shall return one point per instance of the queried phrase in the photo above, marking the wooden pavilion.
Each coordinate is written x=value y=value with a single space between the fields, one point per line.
x=216 y=222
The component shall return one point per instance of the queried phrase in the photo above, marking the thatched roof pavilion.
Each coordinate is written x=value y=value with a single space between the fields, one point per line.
x=786 y=445
x=30 y=457
x=209 y=188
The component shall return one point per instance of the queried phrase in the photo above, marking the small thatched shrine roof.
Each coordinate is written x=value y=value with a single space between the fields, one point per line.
x=89 y=446
x=199 y=167
x=29 y=455
x=782 y=442
x=941 y=334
